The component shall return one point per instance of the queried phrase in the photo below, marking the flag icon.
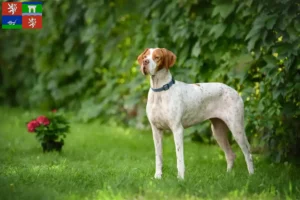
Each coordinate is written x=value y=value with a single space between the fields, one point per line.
x=11 y=15
x=11 y=22
x=32 y=22
x=32 y=8
x=11 y=8
x=18 y=15
x=32 y=15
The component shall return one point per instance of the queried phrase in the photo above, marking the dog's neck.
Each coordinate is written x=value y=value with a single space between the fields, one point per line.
x=160 y=78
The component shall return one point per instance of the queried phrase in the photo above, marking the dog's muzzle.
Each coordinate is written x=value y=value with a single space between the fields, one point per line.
x=144 y=70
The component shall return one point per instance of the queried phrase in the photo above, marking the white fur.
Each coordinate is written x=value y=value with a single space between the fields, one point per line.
x=185 y=105
x=152 y=64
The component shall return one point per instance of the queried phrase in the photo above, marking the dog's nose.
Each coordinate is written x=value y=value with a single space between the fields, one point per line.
x=146 y=62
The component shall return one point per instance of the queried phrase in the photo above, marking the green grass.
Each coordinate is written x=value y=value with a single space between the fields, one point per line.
x=107 y=162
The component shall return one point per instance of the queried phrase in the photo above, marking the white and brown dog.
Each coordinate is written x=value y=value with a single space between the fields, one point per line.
x=175 y=105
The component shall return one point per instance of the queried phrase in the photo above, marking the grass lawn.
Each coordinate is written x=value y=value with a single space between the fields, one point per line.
x=107 y=162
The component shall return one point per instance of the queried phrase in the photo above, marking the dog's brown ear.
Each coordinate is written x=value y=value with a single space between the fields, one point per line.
x=169 y=58
x=140 y=57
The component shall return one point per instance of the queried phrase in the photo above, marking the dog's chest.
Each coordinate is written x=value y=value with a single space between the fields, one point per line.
x=158 y=111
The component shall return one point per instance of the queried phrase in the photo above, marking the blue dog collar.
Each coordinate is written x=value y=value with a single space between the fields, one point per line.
x=164 y=87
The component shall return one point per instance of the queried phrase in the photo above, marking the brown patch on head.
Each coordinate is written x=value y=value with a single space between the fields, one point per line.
x=142 y=56
x=158 y=58
x=163 y=58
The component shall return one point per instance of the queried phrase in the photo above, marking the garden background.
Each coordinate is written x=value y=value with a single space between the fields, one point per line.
x=83 y=62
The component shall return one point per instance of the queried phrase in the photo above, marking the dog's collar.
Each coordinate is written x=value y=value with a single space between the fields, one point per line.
x=164 y=87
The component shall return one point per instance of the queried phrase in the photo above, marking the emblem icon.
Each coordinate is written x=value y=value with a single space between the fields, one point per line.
x=18 y=15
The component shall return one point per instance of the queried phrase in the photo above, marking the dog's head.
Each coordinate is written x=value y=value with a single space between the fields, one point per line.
x=154 y=59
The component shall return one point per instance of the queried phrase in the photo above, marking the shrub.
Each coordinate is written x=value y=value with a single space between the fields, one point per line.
x=50 y=131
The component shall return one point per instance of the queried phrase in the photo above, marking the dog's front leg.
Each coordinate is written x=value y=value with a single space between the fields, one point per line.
x=157 y=138
x=178 y=139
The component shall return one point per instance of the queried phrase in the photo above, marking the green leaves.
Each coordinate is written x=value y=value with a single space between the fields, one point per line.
x=253 y=32
x=270 y=60
x=223 y=10
x=55 y=130
x=253 y=41
x=196 y=49
x=270 y=22
x=217 y=30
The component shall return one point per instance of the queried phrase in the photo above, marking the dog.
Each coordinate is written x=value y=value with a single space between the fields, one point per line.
x=174 y=105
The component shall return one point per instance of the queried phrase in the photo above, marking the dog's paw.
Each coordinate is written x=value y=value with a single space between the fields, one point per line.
x=180 y=176
x=157 y=176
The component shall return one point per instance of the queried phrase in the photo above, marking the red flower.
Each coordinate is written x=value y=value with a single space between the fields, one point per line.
x=32 y=125
x=43 y=120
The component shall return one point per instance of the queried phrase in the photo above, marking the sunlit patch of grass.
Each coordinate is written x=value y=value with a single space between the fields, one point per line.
x=106 y=162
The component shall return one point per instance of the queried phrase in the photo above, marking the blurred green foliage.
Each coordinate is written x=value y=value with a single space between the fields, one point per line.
x=84 y=59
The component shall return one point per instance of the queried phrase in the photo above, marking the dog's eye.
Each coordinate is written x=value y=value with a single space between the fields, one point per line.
x=156 y=57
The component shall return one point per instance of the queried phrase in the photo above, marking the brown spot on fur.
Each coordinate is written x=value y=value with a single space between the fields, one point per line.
x=197 y=84
x=163 y=58
x=142 y=55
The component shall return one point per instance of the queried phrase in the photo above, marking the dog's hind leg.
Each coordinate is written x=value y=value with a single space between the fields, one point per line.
x=220 y=133
x=236 y=126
